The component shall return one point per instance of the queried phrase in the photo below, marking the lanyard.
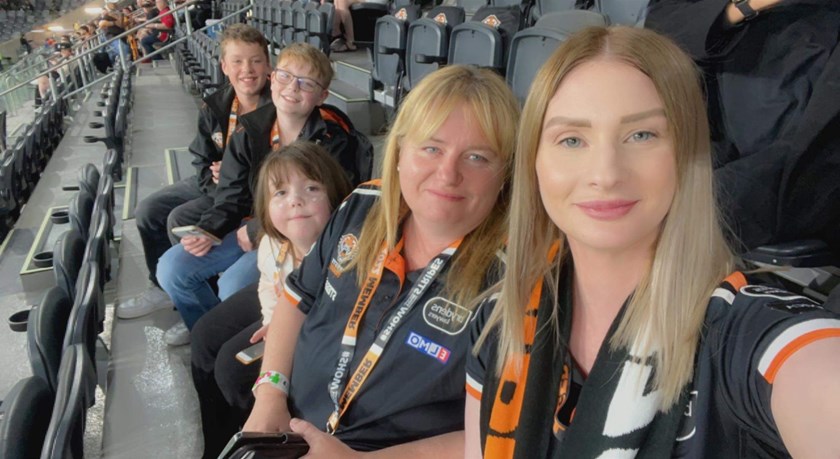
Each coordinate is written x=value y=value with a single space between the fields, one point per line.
x=234 y=116
x=339 y=383
x=275 y=136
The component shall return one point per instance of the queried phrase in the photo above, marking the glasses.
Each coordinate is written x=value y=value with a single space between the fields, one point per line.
x=305 y=84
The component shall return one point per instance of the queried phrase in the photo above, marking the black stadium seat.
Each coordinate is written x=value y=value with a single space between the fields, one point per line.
x=25 y=418
x=77 y=380
x=427 y=44
x=624 y=12
x=81 y=206
x=45 y=334
x=484 y=40
x=319 y=25
x=542 y=7
x=67 y=260
x=389 y=47
x=533 y=46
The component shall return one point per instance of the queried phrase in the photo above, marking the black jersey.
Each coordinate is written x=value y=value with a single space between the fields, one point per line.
x=750 y=330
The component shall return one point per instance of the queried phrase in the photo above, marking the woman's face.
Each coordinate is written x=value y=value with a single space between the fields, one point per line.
x=451 y=181
x=605 y=164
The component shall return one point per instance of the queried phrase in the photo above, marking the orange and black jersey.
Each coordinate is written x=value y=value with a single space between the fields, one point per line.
x=416 y=389
x=750 y=330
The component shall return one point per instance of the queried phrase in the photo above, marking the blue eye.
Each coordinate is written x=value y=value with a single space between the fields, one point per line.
x=643 y=136
x=571 y=142
x=477 y=158
x=430 y=149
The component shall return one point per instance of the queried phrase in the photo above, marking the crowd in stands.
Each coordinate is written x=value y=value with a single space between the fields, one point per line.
x=605 y=314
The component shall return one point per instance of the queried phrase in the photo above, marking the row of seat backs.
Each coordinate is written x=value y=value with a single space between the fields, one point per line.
x=626 y=12
x=296 y=21
x=22 y=163
x=201 y=59
x=61 y=340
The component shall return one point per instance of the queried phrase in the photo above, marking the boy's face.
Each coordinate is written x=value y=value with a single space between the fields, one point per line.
x=295 y=89
x=246 y=66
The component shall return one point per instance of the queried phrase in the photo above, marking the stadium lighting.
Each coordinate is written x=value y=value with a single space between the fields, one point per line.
x=93 y=10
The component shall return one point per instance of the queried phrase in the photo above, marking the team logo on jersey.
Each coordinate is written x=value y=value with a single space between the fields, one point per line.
x=785 y=301
x=441 y=19
x=492 y=21
x=402 y=14
x=428 y=347
x=218 y=139
x=446 y=316
x=688 y=426
x=348 y=246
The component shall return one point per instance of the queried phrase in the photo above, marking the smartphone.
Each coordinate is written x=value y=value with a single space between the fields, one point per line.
x=256 y=445
x=251 y=353
x=192 y=230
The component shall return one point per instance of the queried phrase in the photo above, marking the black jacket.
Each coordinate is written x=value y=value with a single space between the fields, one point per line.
x=250 y=144
x=208 y=145
x=773 y=86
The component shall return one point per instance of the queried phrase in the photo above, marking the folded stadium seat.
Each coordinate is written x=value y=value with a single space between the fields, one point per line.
x=22 y=187
x=624 y=12
x=485 y=40
x=45 y=335
x=532 y=47
x=255 y=19
x=542 y=7
x=88 y=178
x=9 y=209
x=809 y=253
x=77 y=378
x=68 y=254
x=32 y=154
x=101 y=234
x=364 y=17
x=472 y=6
x=79 y=212
x=427 y=43
x=279 y=9
x=83 y=325
x=389 y=50
x=111 y=165
x=25 y=418
x=299 y=21
x=319 y=25
x=288 y=23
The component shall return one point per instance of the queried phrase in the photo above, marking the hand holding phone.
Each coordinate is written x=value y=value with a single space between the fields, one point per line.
x=286 y=445
x=192 y=230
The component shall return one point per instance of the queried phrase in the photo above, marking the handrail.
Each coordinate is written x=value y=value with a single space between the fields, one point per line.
x=248 y=5
x=102 y=45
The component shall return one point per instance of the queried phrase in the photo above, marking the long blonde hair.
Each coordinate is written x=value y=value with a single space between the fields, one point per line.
x=691 y=255
x=494 y=107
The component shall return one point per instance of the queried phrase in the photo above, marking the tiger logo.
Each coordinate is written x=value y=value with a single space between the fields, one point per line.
x=348 y=247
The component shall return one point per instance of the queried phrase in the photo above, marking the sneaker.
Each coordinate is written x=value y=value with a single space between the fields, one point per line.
x=338 y=44
x=151 y=300
x=177 y=335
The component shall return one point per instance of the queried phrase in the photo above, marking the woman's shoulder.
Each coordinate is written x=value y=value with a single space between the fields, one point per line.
x=742 y=294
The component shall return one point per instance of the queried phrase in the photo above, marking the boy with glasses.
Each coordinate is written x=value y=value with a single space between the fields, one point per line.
x=299 y=87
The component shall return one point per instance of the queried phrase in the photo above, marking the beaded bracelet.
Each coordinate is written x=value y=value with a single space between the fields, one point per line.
x=274 y=379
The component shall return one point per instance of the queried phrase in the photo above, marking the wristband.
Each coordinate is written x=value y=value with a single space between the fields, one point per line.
x=274 y=379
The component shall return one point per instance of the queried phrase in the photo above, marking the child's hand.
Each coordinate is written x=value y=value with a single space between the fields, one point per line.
x=243 y=240
x=215 y=170
x=259 y=335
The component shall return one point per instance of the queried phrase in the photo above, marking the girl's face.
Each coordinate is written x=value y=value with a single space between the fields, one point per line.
x=605 y=163
x=299 y=208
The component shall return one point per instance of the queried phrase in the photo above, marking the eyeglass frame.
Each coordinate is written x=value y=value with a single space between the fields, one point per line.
x=295 y=78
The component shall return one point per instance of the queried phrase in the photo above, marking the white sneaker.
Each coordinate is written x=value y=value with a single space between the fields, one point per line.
x=177 y=335
x=146 y=303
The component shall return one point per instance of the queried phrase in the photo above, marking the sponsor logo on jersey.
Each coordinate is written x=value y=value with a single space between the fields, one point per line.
x=428 y=347
x=330 y=290
x=348 y=246
x=446 y=316
x=218 y=139
x=785 y=301
x=441 y=19
x=492 y=21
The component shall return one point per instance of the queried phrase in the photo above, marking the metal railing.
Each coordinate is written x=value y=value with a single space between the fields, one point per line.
x=125 y=63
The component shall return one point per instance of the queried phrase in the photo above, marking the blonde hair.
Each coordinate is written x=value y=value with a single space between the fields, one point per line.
x=426 y=108
x=308 y=55
x=691 y=255
x=313 y=162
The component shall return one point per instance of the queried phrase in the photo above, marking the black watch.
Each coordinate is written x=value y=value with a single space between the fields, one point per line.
x=745 y=8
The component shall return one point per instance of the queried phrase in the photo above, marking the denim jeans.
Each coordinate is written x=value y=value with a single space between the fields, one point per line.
x=184 y=276
x=152 y=213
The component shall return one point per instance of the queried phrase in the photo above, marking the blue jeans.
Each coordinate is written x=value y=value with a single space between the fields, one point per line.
x=184 y=276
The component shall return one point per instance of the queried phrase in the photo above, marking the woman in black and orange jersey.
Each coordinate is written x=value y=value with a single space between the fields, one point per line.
x=620 y=328
x=370 y=341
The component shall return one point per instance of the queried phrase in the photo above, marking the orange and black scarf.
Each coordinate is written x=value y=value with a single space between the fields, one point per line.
x=615 y=410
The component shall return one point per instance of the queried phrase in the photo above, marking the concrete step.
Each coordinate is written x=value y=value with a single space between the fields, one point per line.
x=353 y=75
x=368 y=116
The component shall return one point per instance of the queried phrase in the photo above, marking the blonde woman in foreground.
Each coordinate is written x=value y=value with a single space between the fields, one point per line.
x=621 y=328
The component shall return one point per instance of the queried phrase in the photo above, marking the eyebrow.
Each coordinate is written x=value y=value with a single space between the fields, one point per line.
x=577 y=122
x=468 y=147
